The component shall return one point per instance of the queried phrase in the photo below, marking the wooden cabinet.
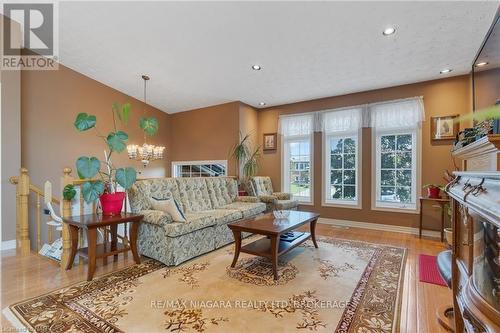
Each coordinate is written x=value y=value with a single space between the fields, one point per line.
x=475 y=200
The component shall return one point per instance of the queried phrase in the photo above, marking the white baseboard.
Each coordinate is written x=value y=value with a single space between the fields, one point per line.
x=8 y=245
x=381 y=227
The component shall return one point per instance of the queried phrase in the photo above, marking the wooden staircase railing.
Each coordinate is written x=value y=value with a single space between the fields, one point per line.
x=24 y=188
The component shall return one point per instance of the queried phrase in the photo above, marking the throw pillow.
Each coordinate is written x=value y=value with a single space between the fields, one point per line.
x=170 y=206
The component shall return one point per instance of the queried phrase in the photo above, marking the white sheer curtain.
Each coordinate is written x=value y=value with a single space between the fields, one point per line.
x=342 y=120
x=403 y=113
x=294 y=125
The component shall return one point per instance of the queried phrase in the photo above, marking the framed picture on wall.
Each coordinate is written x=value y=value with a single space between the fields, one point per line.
x=444 y=127
x=270 y=140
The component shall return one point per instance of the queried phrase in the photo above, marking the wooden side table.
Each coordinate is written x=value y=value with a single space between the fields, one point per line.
x=441 y=202
x=90 y=223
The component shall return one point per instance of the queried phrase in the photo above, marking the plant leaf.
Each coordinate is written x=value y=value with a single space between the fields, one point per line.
x=251 y=166
x=87 y=167
x=149 y=125
x=69 y=192
x=122 y=135
x=241 y=150
x=126 y=177
x=116 y=109
x=125 y=112
x=116 y=141
x=92 y=190
x=84 y=121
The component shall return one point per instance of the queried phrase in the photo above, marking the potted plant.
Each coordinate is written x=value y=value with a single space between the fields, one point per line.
x=433 y=191
x=105 y=187
x=246 y=160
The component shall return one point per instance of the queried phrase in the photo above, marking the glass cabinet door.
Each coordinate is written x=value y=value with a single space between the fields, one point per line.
x=486 y=264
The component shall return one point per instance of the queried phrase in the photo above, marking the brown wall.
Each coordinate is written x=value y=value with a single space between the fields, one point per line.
x=11 y=139
x=50 y=102
x=11 y=148
x=487 y=87
x=441 y=97
x=205 y=134
x=249 y=124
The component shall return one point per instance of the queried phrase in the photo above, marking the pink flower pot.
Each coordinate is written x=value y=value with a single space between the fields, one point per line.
x=433 y=192
x=112 y=203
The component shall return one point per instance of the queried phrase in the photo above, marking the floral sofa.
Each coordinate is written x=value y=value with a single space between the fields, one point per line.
x=262 y=187
x=209 y=204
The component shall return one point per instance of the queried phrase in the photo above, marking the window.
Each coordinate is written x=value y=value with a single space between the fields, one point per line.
x=341 y=156
x=342 y=179
x=396 y=143
x=297 y=151
x=297 y=167
x=199 y=169
x=396 y=169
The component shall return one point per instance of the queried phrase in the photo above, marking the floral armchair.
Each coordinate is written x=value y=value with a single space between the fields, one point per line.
x=262 y=188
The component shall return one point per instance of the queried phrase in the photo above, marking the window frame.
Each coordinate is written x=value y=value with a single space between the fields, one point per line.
x=285 y=166
x=177 y=164
x=414 y=207
x=356 y=204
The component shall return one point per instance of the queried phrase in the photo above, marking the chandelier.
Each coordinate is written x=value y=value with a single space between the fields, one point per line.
x=146 y=152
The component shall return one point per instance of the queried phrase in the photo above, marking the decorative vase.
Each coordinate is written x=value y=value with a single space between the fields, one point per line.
x=433 y=192
x=112 y=203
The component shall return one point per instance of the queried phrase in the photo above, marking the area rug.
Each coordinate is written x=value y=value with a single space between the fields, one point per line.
x=344 y=286
x=428 y=270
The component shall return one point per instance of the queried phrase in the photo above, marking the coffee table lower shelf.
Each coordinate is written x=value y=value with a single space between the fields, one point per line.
x=271 y=246
x=262 y=247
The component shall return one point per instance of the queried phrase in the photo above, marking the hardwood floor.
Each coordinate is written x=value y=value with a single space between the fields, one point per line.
x=25 y=277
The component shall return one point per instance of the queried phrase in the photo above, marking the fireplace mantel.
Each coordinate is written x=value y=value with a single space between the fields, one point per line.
x=482 y=155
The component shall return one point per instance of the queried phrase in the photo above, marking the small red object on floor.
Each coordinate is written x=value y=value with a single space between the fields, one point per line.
x=428 y=270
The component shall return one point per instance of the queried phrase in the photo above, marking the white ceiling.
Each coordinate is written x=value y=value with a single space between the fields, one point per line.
x=200 y=54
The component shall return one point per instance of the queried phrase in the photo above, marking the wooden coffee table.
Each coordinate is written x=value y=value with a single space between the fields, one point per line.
x=271 y=247
x=90 y=223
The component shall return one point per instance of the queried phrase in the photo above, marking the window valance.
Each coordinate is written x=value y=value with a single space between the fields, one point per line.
x=342 y=120
x=402 y=113
x=294 y=125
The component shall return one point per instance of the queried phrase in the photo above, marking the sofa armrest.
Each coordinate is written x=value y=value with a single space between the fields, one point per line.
x=267 y=198
x=282 y=195
x=156 y=217
x=247 y=199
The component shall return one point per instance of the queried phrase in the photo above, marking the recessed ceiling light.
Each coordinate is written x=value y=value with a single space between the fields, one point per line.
x=446 y=71
x=481 y=64
x=256 y=67
x=262 y=103
x=389 y=31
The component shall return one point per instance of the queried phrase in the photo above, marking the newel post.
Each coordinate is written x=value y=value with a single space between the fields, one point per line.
x=66 y=212
x=22 y=223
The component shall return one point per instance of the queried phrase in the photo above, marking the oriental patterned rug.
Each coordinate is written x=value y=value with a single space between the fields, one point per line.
x=344 y=286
